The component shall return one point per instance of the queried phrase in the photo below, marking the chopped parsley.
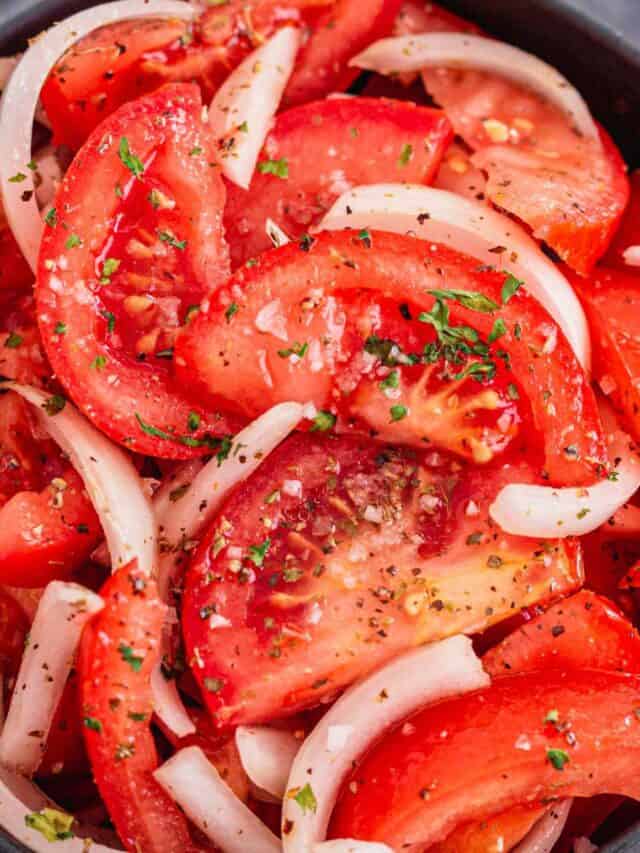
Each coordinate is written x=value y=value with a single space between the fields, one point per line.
x=223 y=445
x=558 y=758
x=98 y=363
x=510 y=286
x=18 y=178
x=323 y=422
x=110 y=317
x=279 y=168
x=405 y=155
x=93 y=724
x=73 y=241
x=398 y=412
x=244 y=127
x=231 y=310
x=134 y=164
x=53 y=824
x=127 y=655
x=193 y=421
x=195 y=151
x=54 y=404
x=51 y=217
x=13 y=341
x=306 y=799
x=390 y=381
x=213 y=685
x=257 y=553
x=512 y=392
x=468 y=299
x=364 y=235
x=498 y=330
x=108 y=268
x=295 y=349
x=552 y=716
x=172 y=240
x=60 y=329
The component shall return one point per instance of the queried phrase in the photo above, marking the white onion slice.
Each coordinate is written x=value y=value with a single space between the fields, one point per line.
x=545 y=512
x=168 y=705
x=64 y=610
x=50 y=175
x=276 y=234
x=470 y=227
x=412 y=53
x=112 y=482
x=243 y=108
x=542 y=837
x=417 y=678
x=631 y=256
x=197 y=787
x=350 y=845
x=7 y=66
x=21 y=95
x=266 y=755
x=19 y=799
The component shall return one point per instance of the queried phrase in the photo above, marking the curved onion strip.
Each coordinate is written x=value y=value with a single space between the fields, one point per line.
x=462 y=50
x=64 y=610
x=112 y=482
x=546 y=512
x=168 y=705
x=631 y=256
x=197 y=787
x=350 y=845
x=7 y=65
x=275 y=233
x=20 y=800
x=266 y=755
x=172 y=487
x=421 y=676
x=472 y=228
x=242 y=109
x=20 y=99
x=542 y=837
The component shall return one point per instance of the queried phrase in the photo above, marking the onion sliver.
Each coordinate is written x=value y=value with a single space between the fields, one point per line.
x=266 y=755
x=112 y=482
x=167 y=703
x=412 y=53
x=64 y=610
x=545 y=512
x=472 y=228
x=243 y=108
x=20 y=99
x=20 y=803
x=542 y=837
x=350 y=845
x=207 y=800
x=359 y=717
x=631 y=256
x=275 y=233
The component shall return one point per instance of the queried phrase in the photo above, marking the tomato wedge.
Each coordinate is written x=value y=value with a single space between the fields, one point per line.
x=65 y=754
x=323 y=149
x=629 y=232
x=48 y=527
x=119 y=649
x=136 y=242
x=338 y=554
x=416 y=16
x=13 y=630
x=528 y=738
x=350 y=323
x=570 y=191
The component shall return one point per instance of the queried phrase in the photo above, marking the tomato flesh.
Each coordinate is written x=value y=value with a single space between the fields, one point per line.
x=629 y=232
x=138 y=242
x=13 y=630
x=461 y=760
x=370 y=549
x=331 y=320
x=115 y=692
x=329 y=147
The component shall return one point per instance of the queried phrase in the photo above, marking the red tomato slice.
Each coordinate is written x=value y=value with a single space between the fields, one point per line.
x=326 y=321
x=336 y=555
x=629 y=232
x=503 y=832
x=13 y=630
x=324 y=149
x=572 y=192
x=101 y=72
x=115 y=691
x=65 y=753
x=481 y=753
x=16 y=278
x=48 y=526
x=420 y=16
x=322 y=63
x=138 y=242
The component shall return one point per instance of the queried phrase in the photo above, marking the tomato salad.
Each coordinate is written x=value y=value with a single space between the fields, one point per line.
x=319 y=411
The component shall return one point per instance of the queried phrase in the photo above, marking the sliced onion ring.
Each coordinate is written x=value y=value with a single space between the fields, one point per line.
x=266 y=755
x=412 y=53
x=275 y=233
x=243 y=108
x=472 y=228
x=64 y=610
x=207 y=800
x=417 y=678
x=112 y=482
x=350 y=845
x=542 y=837
x=20 y=99
x=545 y=512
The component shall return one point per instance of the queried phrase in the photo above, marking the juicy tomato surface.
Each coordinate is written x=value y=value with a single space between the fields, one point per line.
x=136 y=243
x=16 y=277
x=422 y=16
x=65 y=754
x=13 y=631
x=338 y=554
x=628 y=233
x=570 y=190
x=48 y=526
x=115 y=692
x=323 y=149
x=528 y=738
x=350 y=322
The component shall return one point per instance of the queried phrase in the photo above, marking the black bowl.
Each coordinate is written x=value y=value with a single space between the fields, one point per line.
x=595 y=43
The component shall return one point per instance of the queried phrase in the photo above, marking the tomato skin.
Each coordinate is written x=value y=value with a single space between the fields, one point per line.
x=220 y=351
x=346 y=127
x=628 y=233
x=322 y=63
x=476 y=769
x=99 y=361
x=100 y=73
x=335 y=595
x=65 y=753
x=115 y=692
x=13 y=631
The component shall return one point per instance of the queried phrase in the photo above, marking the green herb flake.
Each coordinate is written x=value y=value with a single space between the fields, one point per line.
x=53 y=824
x=512 y=392
x=18 y=178
x=134 y=164
x=552 y=716
x=323 y=422
x=128 y=656
x=195 y=151
x=405 y=155
x=54 y=404
x=137 y=716
x=398 y=412
x=93 y=724
x=558 y=758
x=170 y=238
x=13 y=340
x=98 y=363
x=498 y=330
x=60 y=329
x=468 y=299
x=51 y=217
x=272 y=497
x=279 y=168
x=364 y=235
x=306 y=799
x=257 y=553
x=244 y=127
x=193 y=421
x=510 y=286
x=296 y=349
x=73 y=241
x=213 y=685
x=110 y=317
x=231 y=310
x=108 y=268
x=583 y=513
